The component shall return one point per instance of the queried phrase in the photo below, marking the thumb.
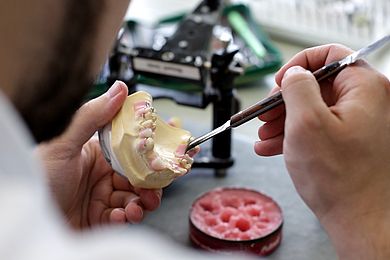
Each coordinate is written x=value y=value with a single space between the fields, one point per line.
x=301 y=94
x=96 y=113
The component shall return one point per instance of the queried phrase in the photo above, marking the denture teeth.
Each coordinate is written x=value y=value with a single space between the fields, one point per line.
x=148 y=124
x=145 y=145
x=157 y=164
x=189 y=159
x=148 y=112
x=185 y=164
x=150 y=116
x=141 y=146
x=181 y=171
x=178 y=169
x=149 y=144
x=146 y=133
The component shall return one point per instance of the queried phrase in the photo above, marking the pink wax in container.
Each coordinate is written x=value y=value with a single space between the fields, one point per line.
x=236 y=219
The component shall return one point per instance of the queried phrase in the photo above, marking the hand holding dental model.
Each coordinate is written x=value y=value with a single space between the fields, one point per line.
x=142 y=147
x=336 y=144
x=88 y=191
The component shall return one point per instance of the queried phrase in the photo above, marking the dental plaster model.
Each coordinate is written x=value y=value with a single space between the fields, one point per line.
x=142 y=147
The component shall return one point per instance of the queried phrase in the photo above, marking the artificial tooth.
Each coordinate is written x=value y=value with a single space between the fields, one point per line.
x=146 y=133
x=149 y=144
x=141 y=145
x=181 y=171
x=189 y=159
x=148 y=116
x=183 y=162
x=157 y=164
x=148 y=110
x=147 y=113
x=148 y=124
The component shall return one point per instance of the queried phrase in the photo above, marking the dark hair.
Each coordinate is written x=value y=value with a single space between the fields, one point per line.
x=66 y=78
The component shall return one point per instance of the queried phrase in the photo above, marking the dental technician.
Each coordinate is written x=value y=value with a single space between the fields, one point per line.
x=61 y=200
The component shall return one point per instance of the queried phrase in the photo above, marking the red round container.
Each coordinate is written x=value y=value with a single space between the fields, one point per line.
x=236 y=219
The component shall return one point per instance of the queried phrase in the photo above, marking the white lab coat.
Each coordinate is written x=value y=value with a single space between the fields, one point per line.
x=31 y=227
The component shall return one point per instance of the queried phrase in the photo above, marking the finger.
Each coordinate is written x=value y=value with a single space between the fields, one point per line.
x=120 y=182
x=270 y=147
x=118 y=215
x=119 y=199
x=275 y=112
x=134 y=213
x=151 y=199
x=272 y=128
x=314 y=58
x=302 y=96
x=95 y=114
x=130 y=202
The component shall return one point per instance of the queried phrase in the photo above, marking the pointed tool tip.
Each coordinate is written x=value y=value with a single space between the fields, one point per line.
x=191 y=145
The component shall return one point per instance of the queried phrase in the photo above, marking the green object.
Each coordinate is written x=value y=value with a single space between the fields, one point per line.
x=242 y=28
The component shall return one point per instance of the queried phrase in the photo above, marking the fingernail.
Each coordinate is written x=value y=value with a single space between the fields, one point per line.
x=115 y=89
x=295 y=69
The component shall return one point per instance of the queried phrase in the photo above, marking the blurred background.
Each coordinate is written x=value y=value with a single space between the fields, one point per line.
x=310 y=22
x=292 y=26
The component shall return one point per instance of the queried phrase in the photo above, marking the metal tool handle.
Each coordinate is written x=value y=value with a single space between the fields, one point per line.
x=276 y=99
x=259 y=108
x=328 y=70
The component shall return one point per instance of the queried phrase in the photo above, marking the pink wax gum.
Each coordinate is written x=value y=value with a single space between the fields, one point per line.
x=236 y=219
x=141 y=104
x=181 y=149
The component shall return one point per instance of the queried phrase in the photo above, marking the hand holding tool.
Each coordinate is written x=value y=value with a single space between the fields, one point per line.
x=269 y=103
